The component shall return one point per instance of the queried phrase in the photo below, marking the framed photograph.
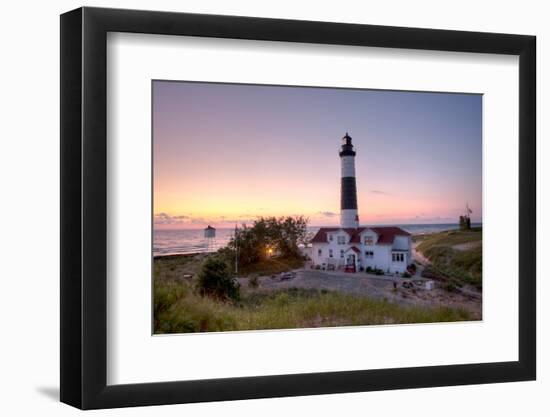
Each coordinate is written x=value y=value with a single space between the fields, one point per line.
x=257 y=208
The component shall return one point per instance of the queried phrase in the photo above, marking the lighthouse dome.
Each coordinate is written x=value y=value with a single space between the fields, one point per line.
x=347 y=146
x=346 y=140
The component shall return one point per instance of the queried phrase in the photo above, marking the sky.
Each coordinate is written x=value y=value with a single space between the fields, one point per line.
x=230 y=153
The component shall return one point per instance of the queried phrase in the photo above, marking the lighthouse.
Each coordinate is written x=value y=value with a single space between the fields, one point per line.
x=355 y=248
x=348 y=188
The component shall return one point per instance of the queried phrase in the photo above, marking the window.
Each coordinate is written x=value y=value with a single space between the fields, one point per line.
x=341 y=253
x=369 y=254
x=331 y=237
x=397 y=257
x=330 y=253
x=369 y=240
x=341 y=240
x=319 y=252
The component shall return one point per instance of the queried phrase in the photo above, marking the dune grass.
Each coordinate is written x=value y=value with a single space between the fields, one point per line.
x=459 y=265
x=174 y=267
x=179 y=309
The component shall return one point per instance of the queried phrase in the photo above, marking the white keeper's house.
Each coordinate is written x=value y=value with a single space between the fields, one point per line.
x=355 y=247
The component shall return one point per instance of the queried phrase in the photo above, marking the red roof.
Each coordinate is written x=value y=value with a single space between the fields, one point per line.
x=321 y=235
x=353 y=248
x=386 y=235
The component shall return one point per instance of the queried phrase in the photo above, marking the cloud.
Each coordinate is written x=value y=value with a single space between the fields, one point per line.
x=327 y=213
x=164 y=218
x=190 y=219
x=379 y=192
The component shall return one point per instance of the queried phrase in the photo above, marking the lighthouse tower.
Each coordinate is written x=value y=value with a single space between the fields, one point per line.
x=348 y=190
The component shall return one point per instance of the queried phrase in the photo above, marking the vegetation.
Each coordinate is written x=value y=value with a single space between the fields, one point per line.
x=272 y=266
x=464 y=223
x=175 y=267
x=375 y=271
x=267 y=237
x=456 y=257
x=215 y=280
x=179 y=308
x=253 y=281
x=199 y=293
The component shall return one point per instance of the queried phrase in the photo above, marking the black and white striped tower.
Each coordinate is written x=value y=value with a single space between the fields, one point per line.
x=348 y=188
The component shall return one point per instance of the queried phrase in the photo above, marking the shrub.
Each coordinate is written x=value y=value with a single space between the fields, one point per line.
x=215 y=280
x=406 y=275
x=253 y=281
x=369 y=269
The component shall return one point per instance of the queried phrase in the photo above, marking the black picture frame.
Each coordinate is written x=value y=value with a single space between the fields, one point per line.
x=84 y=207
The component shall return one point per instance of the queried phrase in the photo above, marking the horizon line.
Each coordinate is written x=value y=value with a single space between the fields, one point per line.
x=330 y=226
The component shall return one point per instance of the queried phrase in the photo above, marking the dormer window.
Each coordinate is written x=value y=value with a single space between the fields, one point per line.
x=341 y=240
x=369 y=240
x=330 y=237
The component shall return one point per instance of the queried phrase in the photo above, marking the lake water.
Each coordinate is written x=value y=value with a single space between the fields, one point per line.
x=184 y=241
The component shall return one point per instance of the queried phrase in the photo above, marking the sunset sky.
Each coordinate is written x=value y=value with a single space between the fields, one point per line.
x=227 y=153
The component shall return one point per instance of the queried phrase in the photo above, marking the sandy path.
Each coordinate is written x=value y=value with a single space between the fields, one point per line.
x=418 y=256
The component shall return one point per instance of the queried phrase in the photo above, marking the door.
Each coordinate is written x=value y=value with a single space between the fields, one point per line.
x=350 y=263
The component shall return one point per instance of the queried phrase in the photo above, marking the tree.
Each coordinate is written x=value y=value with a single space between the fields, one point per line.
x=215 y=280
x=267 y=235
x=465 y=223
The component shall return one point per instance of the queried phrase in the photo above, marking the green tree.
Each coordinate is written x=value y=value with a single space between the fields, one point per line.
x=280 y=235
x=215 y=280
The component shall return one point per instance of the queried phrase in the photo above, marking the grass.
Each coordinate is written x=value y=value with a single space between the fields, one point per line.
x=450 y=262
x=272 y=266
x=172 y=268
x=179 y=309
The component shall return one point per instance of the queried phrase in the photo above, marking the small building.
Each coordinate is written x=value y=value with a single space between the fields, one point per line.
x=209 y=232
x=352 y=246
